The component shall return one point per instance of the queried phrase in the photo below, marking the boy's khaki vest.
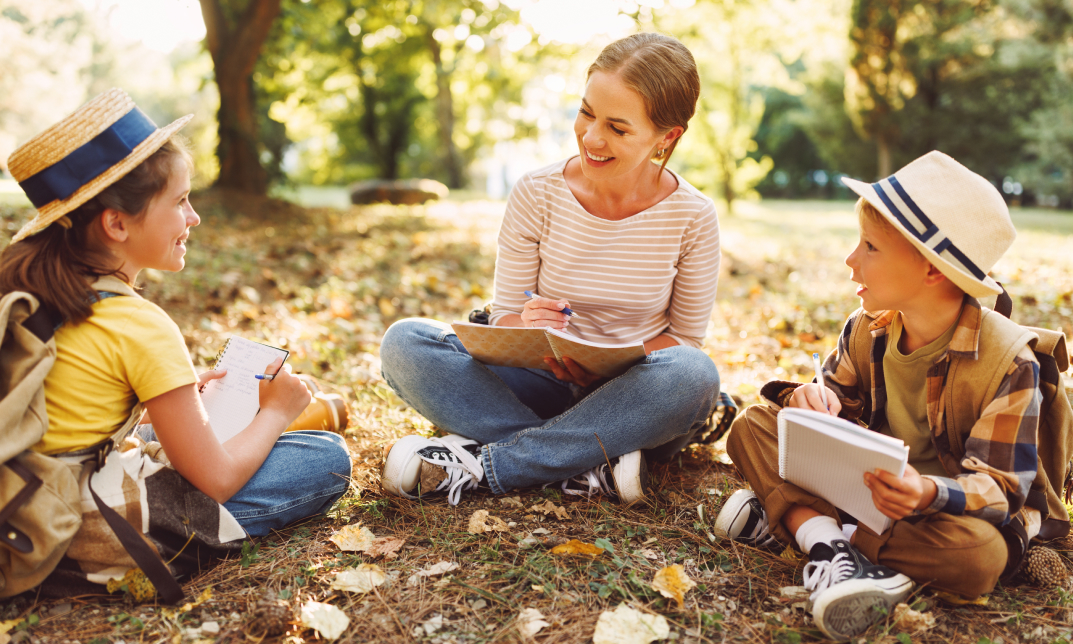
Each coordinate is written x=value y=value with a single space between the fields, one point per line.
x=971 y=385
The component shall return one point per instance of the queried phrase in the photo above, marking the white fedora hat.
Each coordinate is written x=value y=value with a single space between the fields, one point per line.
x=953 y=216
x=74 y=160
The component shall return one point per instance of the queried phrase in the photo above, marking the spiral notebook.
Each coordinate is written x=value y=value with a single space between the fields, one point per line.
x=233 y=401
x=527 y=347
x=828 y=456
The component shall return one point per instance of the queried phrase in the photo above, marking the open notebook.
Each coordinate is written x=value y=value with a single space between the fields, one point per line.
x=233 y=401
x=526 y=347
x=828 y=456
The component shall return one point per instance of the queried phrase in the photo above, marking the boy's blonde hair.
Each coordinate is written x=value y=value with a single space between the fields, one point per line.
x=867 y=212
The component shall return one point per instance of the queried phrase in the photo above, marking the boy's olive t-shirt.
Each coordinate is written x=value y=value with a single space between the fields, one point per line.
x=128 y=350
x=907 y=396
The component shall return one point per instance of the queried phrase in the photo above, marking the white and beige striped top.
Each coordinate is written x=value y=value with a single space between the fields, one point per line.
x=629 y=280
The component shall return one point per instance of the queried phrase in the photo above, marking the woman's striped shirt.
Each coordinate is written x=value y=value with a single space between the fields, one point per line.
x=628 y=280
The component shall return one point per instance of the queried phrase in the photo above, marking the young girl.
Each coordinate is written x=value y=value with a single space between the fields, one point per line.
x=112 y=197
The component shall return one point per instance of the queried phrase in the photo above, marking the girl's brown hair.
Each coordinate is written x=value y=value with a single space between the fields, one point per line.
x=59 y=264
x=662 y=71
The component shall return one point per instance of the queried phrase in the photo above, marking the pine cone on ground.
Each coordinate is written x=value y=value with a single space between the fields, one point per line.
x=1044 y=568
x=269 y=618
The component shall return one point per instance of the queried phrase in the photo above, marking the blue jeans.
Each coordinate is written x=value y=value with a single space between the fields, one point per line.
x=532 y=428
x=304 y=474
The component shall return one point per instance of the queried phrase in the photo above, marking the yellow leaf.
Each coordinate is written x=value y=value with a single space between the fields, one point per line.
x=625 y=625
x=8 y=625
x=575 y=547
x=550 y=508
x=353 y=538
x=360 y=579
x=205 y=596
x=481 y=522
x=673 y=582
x=136 y=583
x=958 y=600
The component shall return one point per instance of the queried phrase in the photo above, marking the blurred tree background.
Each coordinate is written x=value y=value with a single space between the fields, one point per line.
x=474 y=92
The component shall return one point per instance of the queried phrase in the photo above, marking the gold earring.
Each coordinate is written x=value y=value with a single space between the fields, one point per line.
x=659 y=153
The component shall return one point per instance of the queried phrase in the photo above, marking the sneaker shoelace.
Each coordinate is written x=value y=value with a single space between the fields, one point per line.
x=594 y=481
x=463 y=469
x=821 y=575
x=761 y=536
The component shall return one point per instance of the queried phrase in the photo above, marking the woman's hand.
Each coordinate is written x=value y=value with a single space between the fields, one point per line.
x=809 y=397
x=573 y=373
x=896 y=497
x=284 y=394
x=204 y=378
x=544 y=312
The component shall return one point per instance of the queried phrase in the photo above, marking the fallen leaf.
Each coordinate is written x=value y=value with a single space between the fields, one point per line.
x=386 y=547
x=673 y=583
x=432 y=624
x=530 y=621
x=794 y=593
x=353 y=538
x=481 y=522
x=625 y=625
x=431 y=571
x=205 y=596
x=550 y=508
x=958 y=600
x=360 y=579
x=512 y=501
x=326 y=619
x=912 y=621
x=575 y=547
x=134 y=582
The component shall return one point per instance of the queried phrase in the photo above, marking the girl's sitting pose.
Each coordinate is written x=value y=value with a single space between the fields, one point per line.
x=112 y=197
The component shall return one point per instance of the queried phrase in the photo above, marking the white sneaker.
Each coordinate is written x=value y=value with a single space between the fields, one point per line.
x=446 y=464
x=742 y=518
x=849 y=592
x=627 y=480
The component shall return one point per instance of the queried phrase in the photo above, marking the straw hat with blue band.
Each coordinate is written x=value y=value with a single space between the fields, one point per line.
x=73 y=161
x=953 y=216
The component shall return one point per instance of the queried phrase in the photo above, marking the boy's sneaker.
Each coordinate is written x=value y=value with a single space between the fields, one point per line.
x=743 y=519
x=627 y=479
x=849 y=592
x=446 y=464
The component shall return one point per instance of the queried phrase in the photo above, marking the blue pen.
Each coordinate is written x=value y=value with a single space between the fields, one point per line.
x=565 y=310
x=264 y=376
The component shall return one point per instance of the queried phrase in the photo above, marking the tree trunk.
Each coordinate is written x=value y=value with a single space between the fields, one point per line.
x=235 y=46
x=445 y=114
x=883 y=159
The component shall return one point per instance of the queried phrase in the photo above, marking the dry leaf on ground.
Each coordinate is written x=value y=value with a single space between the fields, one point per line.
x=530 y=621
x=912 y=621
x=326 y=619
x=432 y=625
x=512 y=501
x=431 y=571
x=673 y=583
x=575 y=547
x=625 y=625
x=353 y=538
x=548 y=507
x=386 y=547
x=482 y=522
x=360 y=579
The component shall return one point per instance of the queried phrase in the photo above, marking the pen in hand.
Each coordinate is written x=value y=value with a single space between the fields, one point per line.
x=819 y=379
x=264 y=376
x=565 y=310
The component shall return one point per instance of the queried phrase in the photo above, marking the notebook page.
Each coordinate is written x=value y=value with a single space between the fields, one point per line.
x=504 y=346
x=233 y=401
x=828 y=460
x=608 y=360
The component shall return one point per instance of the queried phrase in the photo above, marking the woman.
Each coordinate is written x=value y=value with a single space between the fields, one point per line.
x=631 y=247
x=112 y=197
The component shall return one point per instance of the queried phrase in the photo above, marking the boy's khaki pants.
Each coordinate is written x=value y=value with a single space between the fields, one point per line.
x=958 y=554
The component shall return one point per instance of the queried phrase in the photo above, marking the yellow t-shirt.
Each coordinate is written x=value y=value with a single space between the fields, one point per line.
x=128 y=350
x=907 y=396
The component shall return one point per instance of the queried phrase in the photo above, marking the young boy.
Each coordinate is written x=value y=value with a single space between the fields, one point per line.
x=920 y=360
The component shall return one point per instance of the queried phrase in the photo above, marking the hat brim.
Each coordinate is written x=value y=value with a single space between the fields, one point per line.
x=50 y=212
x=960 y=277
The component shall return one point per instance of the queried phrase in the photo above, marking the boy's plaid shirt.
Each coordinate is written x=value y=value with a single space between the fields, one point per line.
x=999 y=461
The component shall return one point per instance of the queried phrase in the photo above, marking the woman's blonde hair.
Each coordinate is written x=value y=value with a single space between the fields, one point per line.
x=662 y=71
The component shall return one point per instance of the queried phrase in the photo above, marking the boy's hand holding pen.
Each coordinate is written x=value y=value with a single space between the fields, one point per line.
x=815 y=395
x=543 y=311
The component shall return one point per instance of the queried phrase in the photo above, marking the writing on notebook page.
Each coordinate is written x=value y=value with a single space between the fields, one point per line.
x=234 y=400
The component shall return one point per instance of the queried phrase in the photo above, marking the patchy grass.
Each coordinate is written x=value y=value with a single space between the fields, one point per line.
x=325 y=283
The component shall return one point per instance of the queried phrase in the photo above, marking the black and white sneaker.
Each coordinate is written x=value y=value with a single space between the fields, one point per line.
x=446 y=464
x=743 y=519
x=627 y=479
x=849 y=593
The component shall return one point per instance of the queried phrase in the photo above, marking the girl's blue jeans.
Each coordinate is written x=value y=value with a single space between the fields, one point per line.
x=532 y=427
x=304 y=474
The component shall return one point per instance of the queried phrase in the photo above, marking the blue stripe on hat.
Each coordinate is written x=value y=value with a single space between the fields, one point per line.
x=63 y=178
x=930 y=228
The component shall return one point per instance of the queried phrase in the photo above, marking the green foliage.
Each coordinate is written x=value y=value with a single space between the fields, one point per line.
x=249 y=553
